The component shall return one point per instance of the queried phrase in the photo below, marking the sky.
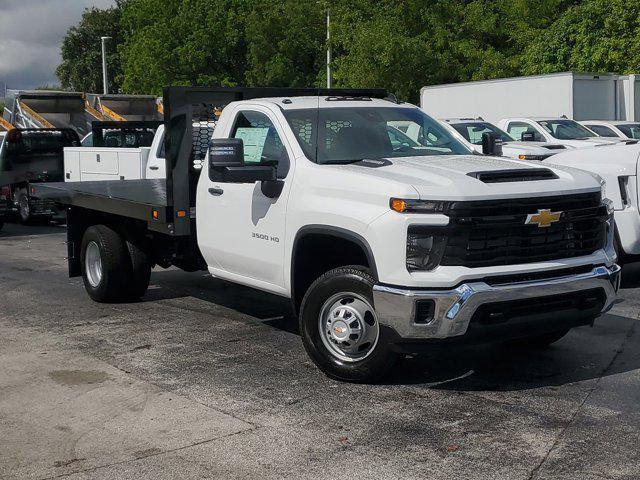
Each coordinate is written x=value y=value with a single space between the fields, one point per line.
x=31 y=32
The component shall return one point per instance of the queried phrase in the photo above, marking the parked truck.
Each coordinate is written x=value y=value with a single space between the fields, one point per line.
x=563 y=131
x=383 y=248
x=579 y=96
x=618 y=166
x=470 y=131
x=29 y=156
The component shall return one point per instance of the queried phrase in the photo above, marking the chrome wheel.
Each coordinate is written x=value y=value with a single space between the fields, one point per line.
x=93 y=264
x=349 y=327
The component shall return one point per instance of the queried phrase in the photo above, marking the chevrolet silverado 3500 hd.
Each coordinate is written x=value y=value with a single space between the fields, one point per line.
x=383 y=248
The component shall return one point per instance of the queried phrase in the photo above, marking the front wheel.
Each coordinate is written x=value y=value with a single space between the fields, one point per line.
x=340 y=329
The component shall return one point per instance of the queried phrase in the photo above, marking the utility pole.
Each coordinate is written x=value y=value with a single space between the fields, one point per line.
x=105 y=77
x=329 y=79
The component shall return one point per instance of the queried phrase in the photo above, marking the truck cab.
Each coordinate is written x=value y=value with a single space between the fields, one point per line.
x=614 y=128
x=471 y=130
x=561 y=131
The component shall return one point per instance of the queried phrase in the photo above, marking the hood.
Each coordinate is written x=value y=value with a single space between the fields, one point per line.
x=459 y=177
x=533 y=148
x=589 y=142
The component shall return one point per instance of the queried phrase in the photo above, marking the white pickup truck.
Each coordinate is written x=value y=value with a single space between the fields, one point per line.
x=617 y=165
x=383 y=248
x=470 y=131
x=617 y=129
x=561 y=131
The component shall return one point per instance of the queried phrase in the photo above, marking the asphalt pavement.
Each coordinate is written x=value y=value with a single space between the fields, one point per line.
x=205 y=379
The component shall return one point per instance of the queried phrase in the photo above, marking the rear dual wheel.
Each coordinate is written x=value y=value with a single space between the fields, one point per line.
x=114 y=269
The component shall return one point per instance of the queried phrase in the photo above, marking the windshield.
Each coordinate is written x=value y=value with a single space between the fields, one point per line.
x=346 y=135
x=472 y=131
x=566 y=129
x=631 y=130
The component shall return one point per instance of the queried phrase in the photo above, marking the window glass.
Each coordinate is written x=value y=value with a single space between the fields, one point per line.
x=566 y=129
x=516 y=129
x=602 y=131
x=261 y=141
x=345 y=135
x=473 y=131
x=631 y=130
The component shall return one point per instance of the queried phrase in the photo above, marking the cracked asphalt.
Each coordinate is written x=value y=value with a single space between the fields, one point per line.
x=205 y=379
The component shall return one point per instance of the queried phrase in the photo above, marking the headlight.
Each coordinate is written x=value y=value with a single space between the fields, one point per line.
x=425 y=247
x=418 y=206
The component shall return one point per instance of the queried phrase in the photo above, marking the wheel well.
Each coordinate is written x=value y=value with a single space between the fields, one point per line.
x=317 y=253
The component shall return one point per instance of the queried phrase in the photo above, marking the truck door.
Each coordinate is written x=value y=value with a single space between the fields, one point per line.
x=241 y=231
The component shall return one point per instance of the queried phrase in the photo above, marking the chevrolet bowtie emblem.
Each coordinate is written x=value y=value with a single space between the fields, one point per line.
x=544 y=218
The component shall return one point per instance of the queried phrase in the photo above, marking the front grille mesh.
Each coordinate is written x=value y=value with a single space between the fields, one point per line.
x=490 y=233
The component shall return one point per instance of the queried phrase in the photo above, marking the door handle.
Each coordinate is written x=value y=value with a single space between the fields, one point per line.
x=154 y=168
x=216 y=191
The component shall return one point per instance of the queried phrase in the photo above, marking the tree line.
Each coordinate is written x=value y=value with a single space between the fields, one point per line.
x=398 y=45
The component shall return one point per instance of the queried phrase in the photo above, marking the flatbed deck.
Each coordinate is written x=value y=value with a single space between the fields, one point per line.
x=137 y=199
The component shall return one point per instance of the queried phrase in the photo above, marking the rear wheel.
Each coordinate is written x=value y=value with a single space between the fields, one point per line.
x=140 y=265
x=24 y=209
x=105 y=262
x=340 y=329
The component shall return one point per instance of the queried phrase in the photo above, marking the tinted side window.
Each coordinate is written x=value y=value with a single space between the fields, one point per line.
x=602 y=130
x=516 y=129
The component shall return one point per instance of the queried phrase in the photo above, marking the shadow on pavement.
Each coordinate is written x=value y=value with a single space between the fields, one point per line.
x=270 y=309
x=584 y=354
x=631 y=275
x=11 y=229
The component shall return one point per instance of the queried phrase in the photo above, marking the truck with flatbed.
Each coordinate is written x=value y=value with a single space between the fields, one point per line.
x=384 y=248
x=29 y=156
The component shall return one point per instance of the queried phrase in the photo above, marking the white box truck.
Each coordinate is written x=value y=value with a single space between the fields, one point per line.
x=580 y=96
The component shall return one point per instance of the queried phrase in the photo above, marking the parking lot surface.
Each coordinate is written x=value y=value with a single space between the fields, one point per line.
x=205 y=379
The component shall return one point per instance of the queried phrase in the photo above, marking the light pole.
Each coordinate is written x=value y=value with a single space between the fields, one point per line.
x=329 y=79
x=105 y=77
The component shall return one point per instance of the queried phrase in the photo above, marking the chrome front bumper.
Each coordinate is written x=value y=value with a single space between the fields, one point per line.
x=454 y=308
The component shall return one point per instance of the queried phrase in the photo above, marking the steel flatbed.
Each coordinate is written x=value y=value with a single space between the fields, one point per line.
x=136 y=199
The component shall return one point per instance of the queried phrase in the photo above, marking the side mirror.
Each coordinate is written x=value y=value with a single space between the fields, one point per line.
x=491 y=144
x=528 y=137
x=226 y=163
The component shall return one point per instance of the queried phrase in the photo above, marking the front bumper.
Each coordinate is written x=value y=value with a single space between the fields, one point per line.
x=454 y=308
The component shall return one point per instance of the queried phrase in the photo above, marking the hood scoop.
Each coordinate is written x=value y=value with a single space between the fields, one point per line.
x=515 y=175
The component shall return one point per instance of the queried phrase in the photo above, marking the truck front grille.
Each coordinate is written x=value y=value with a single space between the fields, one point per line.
x=490 y=233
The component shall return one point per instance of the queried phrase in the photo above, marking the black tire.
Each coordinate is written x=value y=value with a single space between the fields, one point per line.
x=140 y=268
x=539 y=341
x=115 y=264
x=24 y=209
x=354 y=280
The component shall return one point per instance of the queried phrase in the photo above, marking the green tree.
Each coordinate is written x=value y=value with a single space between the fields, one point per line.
x=183 y=42
x=81 y=67
x=592 y=36
x=285 y=43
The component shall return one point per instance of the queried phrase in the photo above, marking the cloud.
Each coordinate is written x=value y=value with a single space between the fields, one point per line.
x=31 y=32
